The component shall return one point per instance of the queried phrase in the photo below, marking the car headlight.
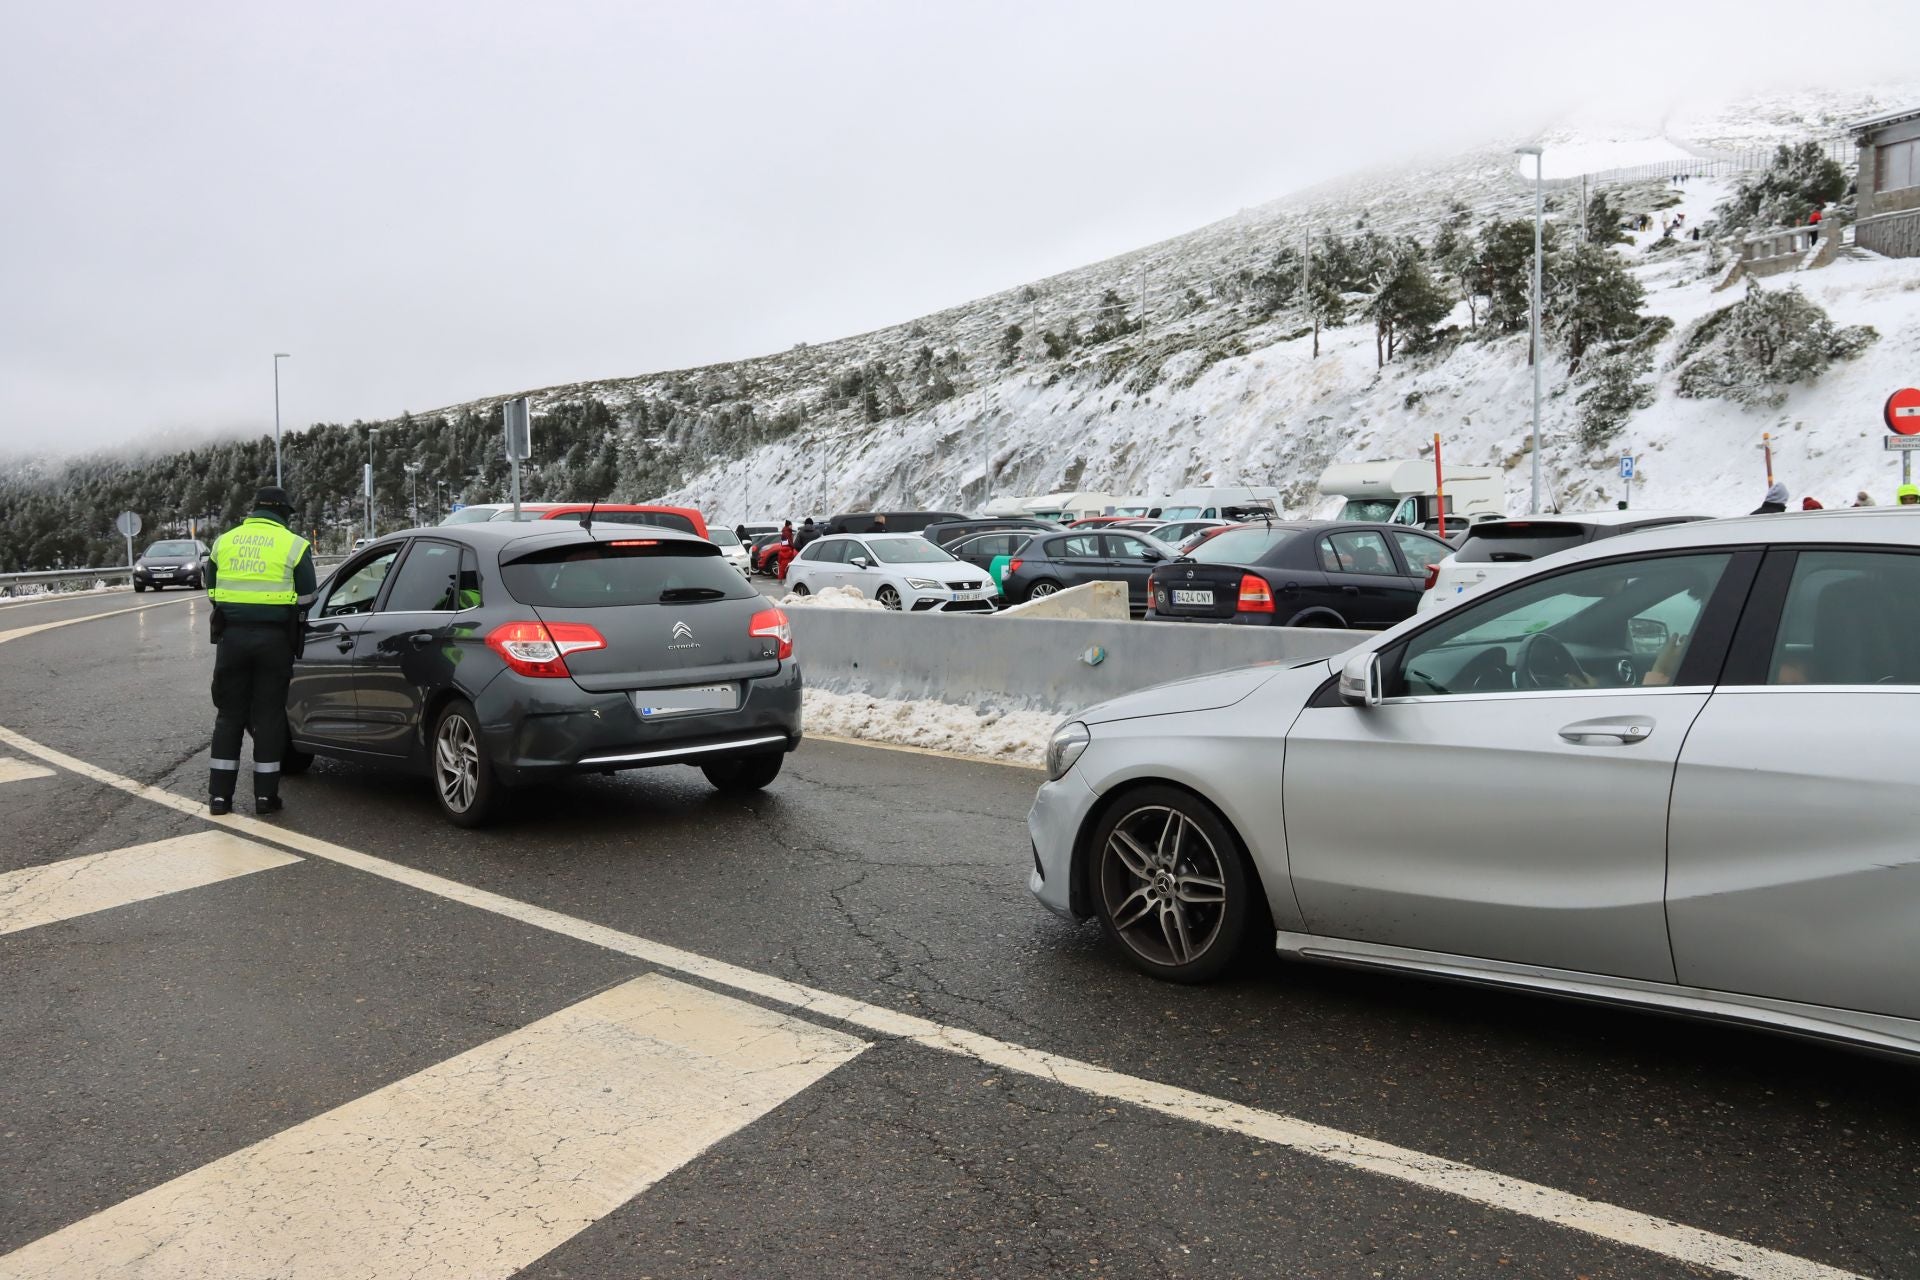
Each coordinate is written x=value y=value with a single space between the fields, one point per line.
x=1068 y=741
x=923 y=584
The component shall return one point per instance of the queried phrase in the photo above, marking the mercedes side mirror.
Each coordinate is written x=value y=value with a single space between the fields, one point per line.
x=1360 y=680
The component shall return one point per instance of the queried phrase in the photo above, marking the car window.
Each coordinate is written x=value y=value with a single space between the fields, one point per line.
x=1611 y=626
x=1850 y=618
x=172 y=549
x=1124 y=547
x=428 y=580
x=1358 y=551
x=1506 y=541
x=1083 y=546
x=360 y=588
x=589 y=575
x=855 y=550
x=1420 y=552
x=723 y=538
x=469 y=515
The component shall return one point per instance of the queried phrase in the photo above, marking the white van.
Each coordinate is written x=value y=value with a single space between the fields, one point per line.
x=1136 y=505
x=1214 y=502
x=1403 y=492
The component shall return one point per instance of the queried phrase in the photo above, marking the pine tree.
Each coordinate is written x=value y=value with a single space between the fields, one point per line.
x=1592 y=298
x=1406 y=304
x=1603 y=222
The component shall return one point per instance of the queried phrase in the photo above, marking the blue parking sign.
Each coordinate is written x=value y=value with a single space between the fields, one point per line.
x=1626 y=466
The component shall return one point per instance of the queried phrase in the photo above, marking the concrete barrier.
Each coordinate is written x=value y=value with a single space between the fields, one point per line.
x=1028 y=664
x=1106 y=600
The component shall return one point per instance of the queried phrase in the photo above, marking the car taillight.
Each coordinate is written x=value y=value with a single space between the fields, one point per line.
x=771 y=624
x=1255 y=595
x=541 y=649
x=1013 y=566
x=1433 y=576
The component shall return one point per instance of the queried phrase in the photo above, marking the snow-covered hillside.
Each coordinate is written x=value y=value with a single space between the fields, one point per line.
x=1213 y=389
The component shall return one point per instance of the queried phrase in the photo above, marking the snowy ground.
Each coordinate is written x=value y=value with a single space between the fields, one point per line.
x=1013 y=736
x=829 y=598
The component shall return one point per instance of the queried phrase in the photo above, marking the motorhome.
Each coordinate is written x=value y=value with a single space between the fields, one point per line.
x=1136 y=505
x=1403 y=492
x=1218 y=502
x=1065 y=507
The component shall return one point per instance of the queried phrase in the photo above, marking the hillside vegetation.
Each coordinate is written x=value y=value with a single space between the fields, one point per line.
x=1351 y=321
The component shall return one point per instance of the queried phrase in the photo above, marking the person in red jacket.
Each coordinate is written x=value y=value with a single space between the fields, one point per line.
x=1813 y=220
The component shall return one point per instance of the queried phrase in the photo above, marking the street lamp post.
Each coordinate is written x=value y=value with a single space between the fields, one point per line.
x=371 y=433
x=1534 y=348
x=413 y=490
x=278 y=356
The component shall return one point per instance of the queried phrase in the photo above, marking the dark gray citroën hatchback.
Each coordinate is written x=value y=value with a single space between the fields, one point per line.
x=490 y=656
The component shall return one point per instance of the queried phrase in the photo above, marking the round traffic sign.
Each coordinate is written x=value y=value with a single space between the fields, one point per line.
x=128 y=522
x=1903 y=411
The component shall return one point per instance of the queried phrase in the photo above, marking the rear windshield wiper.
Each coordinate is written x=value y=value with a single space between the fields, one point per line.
x=674 y=595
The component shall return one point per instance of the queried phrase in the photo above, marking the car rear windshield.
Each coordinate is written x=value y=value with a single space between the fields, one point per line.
x=907 y=551
x=1517 y=540
x=591 y=575
x=469 y=515
x=1241 y=546
x=171 y=549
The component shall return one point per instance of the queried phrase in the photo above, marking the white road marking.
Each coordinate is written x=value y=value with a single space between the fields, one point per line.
x=474 y=1167
x=81 y=886
x=12 y=770
x=18 y=633
x=1534 y=1200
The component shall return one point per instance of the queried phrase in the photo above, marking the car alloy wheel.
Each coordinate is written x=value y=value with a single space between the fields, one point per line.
x=1041 y=590
x=456 y=763
x=888 y=597
x=1172 y=887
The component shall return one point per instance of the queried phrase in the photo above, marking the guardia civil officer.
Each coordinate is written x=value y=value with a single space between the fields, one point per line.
x=261 y=569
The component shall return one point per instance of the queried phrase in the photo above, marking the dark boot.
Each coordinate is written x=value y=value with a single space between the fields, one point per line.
x=264 y=805
x=220 y=806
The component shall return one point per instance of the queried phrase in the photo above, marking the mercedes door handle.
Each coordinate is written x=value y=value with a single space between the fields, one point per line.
x=1594 y=732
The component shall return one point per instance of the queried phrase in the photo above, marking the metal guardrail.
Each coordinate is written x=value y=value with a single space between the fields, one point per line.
x=118 y=573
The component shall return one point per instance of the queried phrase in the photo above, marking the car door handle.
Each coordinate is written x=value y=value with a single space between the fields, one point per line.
x=344 y=644
x=1349 y=591
x=1598 y=732
x=420 y=638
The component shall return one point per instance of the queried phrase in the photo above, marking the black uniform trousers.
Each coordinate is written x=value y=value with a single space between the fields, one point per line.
x=251 y=670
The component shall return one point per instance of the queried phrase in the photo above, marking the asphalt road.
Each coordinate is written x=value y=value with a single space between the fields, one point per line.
x=149 y=1042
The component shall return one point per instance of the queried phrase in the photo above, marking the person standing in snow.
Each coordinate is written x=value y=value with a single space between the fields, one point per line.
x=1863 y=499
x=786 y=534
x=1811 y=504
x=1907 y=495
x=1813 y=220
x=808 y=532
x=1775 y=501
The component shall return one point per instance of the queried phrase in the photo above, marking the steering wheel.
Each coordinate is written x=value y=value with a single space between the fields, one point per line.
x=1544 y=663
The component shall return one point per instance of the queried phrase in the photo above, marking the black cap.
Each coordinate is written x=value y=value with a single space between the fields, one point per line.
x=274 y=498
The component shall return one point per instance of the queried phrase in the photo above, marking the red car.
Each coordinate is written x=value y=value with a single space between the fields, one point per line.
x=685 y=519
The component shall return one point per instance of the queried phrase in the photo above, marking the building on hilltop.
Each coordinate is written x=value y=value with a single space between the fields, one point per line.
x=1887 y=211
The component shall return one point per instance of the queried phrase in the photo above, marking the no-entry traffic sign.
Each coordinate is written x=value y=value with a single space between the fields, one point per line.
x=1903 y=411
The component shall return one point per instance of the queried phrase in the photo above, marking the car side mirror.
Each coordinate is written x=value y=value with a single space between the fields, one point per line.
x=861 y=562
x=1151 y=556
x=1360 y=680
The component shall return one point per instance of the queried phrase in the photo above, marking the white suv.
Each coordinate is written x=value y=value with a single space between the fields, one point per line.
x=1499 y=550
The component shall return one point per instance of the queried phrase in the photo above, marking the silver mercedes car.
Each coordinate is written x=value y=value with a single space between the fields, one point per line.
x=1669 y=769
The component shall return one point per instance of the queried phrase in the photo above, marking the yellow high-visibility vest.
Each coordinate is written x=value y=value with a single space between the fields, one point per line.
x=254 y=563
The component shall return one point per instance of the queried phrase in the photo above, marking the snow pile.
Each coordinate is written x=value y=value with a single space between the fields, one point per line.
x=1018 y=737
x=830 y=598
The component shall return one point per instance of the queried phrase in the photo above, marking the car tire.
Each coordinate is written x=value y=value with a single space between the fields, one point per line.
x=800 y=589
x=1173 y=888
x=463 y=781
x=745 y=773
x=138 y=586
x=1319 y=622
x=294 y=761
x=1042 y=589
x=887 y=596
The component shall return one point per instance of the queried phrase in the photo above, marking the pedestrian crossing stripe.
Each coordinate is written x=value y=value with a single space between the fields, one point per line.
x=80 y=886
x=475 y=1167
x=12 y=770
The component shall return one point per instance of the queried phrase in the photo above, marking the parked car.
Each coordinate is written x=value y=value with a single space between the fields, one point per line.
x=991 y=551
x=171 y=562
x=897 y=521
x=1221 y=503
x=474 y=513
x=762 y=554
x=1663 y=769
x=1298 y=573
x=1499 y=550
x=734 y=550
x=488 y=656
x=1175 y=532
x=1072 y=558
x=948 y=532
x=685 y=519
x=900 y=570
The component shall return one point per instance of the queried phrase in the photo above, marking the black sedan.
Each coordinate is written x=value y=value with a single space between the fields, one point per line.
x=177 y=562
x=1301 y=573
x=492 y=655
x=1075 y=557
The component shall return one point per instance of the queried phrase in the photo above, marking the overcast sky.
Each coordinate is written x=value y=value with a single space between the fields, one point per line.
x=424 y=203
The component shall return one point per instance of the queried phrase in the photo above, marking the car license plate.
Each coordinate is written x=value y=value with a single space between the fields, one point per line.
x=1192 y=597
x=668 y=702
